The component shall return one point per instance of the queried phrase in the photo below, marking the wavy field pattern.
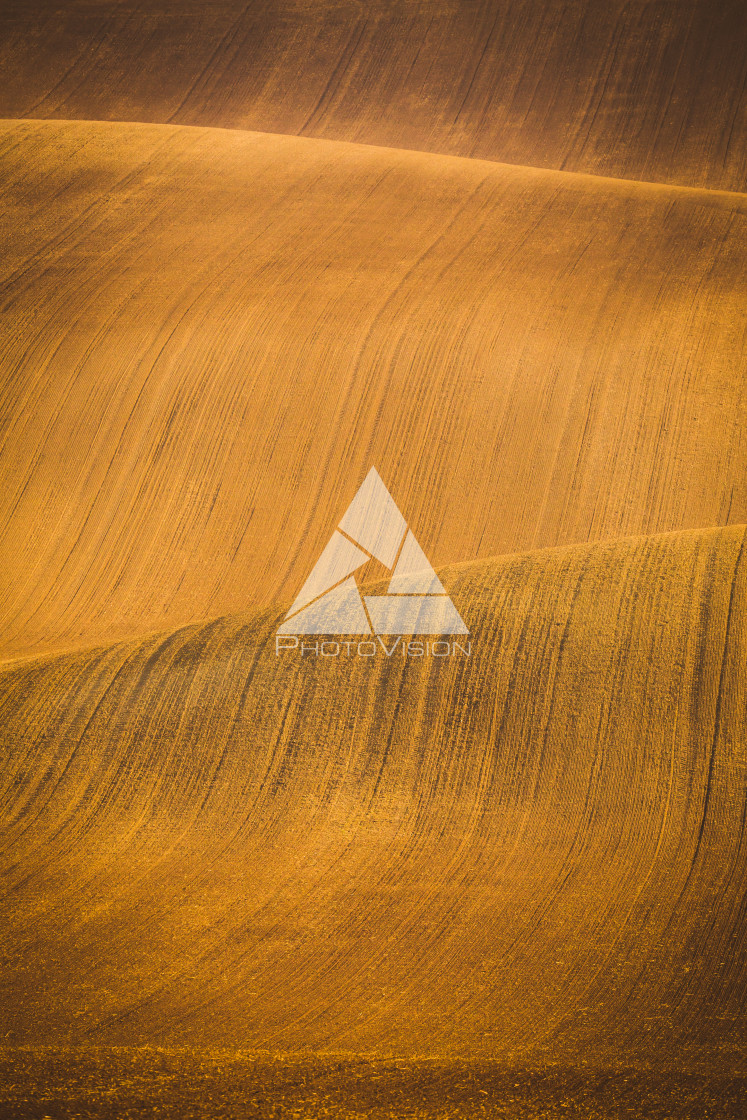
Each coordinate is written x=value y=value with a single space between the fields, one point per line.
x=625 y=88
x=455 y=855
x=495 y=250
x=517 y=351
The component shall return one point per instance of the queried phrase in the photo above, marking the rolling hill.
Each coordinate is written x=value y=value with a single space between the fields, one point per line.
x=250 y=251
x=635 y=90
x=208 y=337
x=532 y=854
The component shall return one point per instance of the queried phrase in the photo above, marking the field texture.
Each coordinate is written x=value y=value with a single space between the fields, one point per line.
x=495 y=250
x=211 y=336
x=624 y=88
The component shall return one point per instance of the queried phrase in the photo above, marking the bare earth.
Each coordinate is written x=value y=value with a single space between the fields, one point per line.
x=536 y=851
x=249 y=251
x=623 y=88
x=208 y=337
x=111 y=1084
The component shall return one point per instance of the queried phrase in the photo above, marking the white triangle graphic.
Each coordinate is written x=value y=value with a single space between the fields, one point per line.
x=339 y=559
x=413 y=574
x=340 y=611
x=414 y=614
x=415 y=603
x=373 y=520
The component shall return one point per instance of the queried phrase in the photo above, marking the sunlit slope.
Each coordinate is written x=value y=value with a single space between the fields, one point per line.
x=209 y=337
x=635 y=89
x=534 y=852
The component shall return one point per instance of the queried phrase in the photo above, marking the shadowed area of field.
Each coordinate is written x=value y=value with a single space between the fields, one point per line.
x=103 y=1083
x=642 y=90
x=208 y=337
x=533 y=854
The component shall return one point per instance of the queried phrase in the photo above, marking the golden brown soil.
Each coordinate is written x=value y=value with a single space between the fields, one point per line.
x=496 y=249
x=208 y=337
x=535 y=853
x=106 y=1083
x=627 y=88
